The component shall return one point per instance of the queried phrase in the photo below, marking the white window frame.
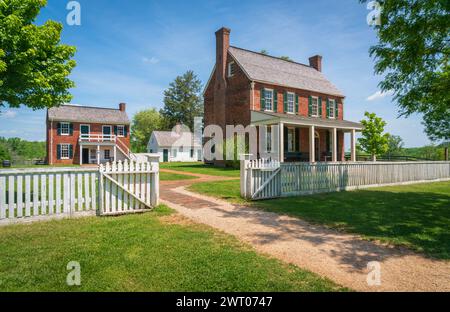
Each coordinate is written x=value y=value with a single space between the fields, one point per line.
x=266 y=91
x=331 y=108
x=85 y=125
x=230 y=69
x=293 y=103
x=66 y=145
x=174 y=153
x=317 y=106
x=123 y=131
x=110 y=129
x=61 y=124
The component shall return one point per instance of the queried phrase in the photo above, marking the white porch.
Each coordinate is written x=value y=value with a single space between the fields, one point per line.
x=309 y=139
x=99 y=149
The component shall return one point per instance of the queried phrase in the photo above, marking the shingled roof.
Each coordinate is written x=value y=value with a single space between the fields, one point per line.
x=273 y=70
x=75 y=113
x=173 y=139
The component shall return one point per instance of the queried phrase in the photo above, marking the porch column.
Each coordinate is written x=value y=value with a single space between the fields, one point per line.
x=281 y=143
x=81 y=154
x=312 y=148
x=115 y=153
x=353 y=146
x=335 y=148
x=98 y=154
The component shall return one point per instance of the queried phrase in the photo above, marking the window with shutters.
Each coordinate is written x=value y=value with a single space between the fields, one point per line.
x=268 y=95
x=107 y=154
x=332 y=109
x=315 y=107
x=65 y=128
x=231 y=69
x=121 y=131
x=290 y=102
x=65 y=151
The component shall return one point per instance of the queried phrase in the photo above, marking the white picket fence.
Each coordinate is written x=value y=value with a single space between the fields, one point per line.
x=128 y=187
x=117 y=188
x=262 y=180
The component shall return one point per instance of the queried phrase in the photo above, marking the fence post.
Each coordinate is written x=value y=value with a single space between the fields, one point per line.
x=100 y=191
x=245 y=176
x=154 y=162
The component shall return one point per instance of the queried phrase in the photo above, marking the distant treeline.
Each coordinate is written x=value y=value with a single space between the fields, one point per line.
x=18 y=150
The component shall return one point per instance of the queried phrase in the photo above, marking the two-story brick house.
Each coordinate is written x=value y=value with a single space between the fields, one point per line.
x=87 y=135
x=250 y=88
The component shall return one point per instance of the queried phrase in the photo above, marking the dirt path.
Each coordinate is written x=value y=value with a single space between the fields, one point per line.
x=342 y=258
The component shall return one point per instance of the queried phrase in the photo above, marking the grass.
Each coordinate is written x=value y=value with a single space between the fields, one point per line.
x=167 y=176
x=156 y=251
x=416 y=216
x=198 y=167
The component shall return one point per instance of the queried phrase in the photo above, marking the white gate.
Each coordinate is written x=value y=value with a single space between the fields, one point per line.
x=128 y=187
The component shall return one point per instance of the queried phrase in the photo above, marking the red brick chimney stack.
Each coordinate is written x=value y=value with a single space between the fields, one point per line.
x=316 y=62
x=222 y=45
x=122 y=107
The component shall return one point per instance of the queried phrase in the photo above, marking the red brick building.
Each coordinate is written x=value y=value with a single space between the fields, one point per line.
x=87 y=135
x=250 y=88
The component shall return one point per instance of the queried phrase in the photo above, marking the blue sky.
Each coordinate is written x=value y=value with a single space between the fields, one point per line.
x=129 y=51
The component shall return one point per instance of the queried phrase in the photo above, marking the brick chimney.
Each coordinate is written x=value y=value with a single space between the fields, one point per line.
x=316 y=62
x=220 y=97
x=122 y=107
x=222 y=45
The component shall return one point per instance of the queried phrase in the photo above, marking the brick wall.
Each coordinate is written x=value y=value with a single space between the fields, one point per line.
x=52 y=133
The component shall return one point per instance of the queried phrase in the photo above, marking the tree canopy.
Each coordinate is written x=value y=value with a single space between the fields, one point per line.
x=34 y=65
x=143 y=124
x=395 y=145
x=182 y=101
x=373 y=140
x=413 y=55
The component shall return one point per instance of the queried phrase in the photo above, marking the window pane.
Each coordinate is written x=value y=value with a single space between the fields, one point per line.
x=290 y=102
x=269 y=97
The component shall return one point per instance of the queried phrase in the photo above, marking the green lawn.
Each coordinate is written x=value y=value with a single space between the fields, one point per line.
x=166 y=176
x=416 y=216
x=198 y=167
x=156 y=251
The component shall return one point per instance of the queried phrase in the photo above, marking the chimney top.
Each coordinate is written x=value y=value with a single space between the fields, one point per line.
x=316 y=62
x=122 y=107
x=225 y=30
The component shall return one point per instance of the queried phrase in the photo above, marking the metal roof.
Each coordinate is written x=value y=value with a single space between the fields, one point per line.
x=174 y=139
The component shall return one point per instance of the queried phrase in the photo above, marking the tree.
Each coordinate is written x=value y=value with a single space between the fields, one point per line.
x=286 y=58
x=373 y=140
x=182 y=101
x=395 y=145
x=413 y=55
x=143 y=124
x=34 y=66
x=263 y=51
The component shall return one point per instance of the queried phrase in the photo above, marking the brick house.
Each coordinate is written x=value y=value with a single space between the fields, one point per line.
x=87 y=135
x=250 y=88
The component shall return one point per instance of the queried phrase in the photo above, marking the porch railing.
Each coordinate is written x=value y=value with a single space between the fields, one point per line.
x=97 y=138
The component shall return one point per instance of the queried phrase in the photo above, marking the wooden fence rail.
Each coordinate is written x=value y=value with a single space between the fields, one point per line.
x=59 y=192
x=263 y=180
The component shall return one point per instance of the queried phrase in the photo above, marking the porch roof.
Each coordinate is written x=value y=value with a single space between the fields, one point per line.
x=261 y=118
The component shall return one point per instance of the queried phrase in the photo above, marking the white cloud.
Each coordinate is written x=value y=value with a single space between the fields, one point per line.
x=152 y=60
x=378 y=95
x=8 y=114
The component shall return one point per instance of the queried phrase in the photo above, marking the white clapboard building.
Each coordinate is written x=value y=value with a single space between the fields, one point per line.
x=175 y=146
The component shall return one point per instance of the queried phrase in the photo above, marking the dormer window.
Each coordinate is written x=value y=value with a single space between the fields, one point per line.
x=231 y=69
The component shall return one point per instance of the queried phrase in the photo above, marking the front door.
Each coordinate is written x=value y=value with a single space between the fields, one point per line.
x=85 y=156
x=165 y=155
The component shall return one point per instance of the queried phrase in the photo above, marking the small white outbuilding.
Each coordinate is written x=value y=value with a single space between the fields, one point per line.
x=175 y=146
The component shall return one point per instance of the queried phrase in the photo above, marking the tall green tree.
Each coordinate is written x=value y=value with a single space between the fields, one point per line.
x=143 y=124
x=373 y=141
x=182 y=101
x=413 y=55
x=395 y=145
x=34 y=65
